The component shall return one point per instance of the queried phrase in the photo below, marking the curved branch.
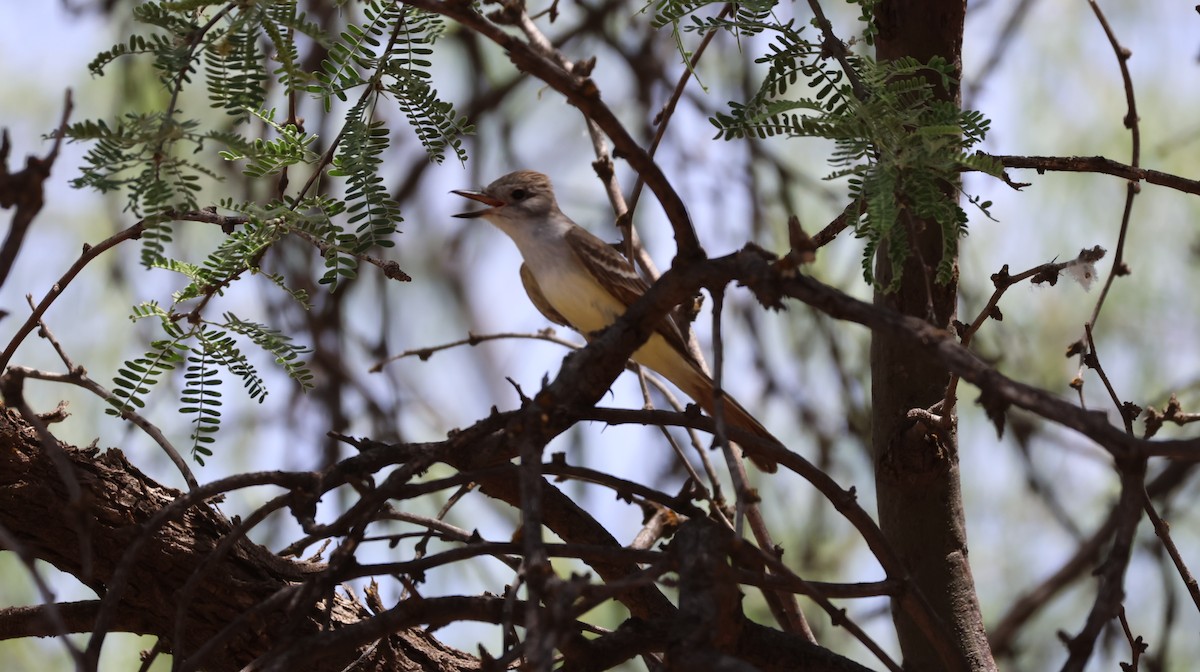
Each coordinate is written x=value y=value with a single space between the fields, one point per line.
x=90 y=253
x=583 y=93
x=1102 y=165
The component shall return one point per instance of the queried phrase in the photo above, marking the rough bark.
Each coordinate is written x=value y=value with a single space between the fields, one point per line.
x=916 y=469
x=87 y=539
x=296 y=620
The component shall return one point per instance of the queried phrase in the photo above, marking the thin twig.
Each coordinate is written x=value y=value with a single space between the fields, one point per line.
x=1137 y=645
x=1163 y=530
x=1003 y=281
x=832 y=46
x=77 y=375
x=848 y=217
x=583 y=93
x=665 y=115
x=473 y=340
x=79 y=378
x=648 y=404
x=1132 y=189
x=1092 y=359
x=9 y=542
x=1101 y=165
x=1111 y=573
x=89 y=254
x=783 y=605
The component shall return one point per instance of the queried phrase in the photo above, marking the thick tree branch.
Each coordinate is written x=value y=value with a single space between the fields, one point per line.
x=119 y=501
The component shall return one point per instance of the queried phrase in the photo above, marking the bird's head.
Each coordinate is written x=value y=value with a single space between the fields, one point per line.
x=523 y=196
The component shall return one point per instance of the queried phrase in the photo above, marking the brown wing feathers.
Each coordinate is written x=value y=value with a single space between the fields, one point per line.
x=602 y=261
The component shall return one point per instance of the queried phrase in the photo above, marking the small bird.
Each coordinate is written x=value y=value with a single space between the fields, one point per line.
x=577 y=280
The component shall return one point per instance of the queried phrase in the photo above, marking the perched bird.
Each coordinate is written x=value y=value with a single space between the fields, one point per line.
x=577 y=280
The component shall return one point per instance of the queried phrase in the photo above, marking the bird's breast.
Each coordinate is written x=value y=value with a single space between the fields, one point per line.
x=577 y=296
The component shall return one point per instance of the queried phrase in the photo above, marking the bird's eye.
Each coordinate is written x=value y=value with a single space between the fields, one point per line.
x=519 y=194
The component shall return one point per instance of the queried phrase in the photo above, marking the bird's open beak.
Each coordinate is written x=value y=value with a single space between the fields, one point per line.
x=477 y=196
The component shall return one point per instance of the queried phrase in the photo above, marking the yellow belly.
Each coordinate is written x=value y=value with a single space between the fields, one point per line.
x=581 y=300
x=590 y=308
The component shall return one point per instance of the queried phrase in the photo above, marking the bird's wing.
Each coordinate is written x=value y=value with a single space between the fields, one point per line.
x=539 y=300
x=613 y=271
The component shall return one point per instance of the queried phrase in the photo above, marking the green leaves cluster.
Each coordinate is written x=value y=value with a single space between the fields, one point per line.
x=151 y=156
x=135 y=156
x=240 y=56
x=156 y=158
x=203 y=349
x=749 y=18
x=386 y=59
x=900 y=147
x=388 y=54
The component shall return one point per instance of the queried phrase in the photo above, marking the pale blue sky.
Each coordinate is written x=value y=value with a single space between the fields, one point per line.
x=1057 y=92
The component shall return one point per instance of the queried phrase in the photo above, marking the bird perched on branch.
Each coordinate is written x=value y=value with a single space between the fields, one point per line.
x=577 y=280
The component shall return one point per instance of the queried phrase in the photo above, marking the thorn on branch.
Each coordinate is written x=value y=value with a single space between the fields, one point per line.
x=588 y=89
x=1001 y=279
x=1016 y=186
x=520 y=392
x=1049 y=274
x=392 y=271
x=509 y=13
x=1173 y=413
x=802 y=250
x=1130 y=411
x=584 y=66
x=851 y=495
x=995 y=407
x=57 y=415
x=1075 y=348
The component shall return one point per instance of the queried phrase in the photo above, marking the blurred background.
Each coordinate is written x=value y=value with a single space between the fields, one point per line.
x=1041 y=70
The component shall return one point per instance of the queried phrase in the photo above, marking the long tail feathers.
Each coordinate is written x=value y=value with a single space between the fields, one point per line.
x=736 y=416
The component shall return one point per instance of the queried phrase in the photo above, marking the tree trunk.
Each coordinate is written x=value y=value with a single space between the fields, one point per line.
x=916 y=469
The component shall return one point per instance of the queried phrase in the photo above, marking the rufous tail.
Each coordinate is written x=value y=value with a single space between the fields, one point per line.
x=736 y=416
